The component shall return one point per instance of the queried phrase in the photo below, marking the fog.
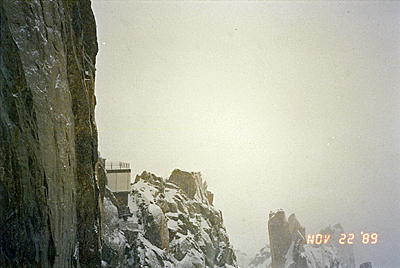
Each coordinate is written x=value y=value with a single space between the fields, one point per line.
x=291 y=105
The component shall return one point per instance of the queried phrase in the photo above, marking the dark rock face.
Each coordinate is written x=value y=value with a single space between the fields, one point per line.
x=279 y=237
x=191 y=183
x=186 y=181
x=298 y=234
x=288 y=248
x=366 y=265
x=49 y=197
x=286 y=235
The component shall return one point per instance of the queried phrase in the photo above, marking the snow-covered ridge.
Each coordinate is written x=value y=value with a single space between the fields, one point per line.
x=175 y=225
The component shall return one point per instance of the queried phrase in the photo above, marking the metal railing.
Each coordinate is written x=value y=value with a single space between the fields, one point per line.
x=117 y=165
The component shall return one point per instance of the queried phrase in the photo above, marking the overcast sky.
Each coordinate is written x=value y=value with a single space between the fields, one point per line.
x=279 y=105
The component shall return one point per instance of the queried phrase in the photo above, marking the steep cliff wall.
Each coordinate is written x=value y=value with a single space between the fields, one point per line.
x=49 y=209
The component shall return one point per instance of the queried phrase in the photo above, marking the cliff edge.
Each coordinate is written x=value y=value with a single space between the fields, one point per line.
x=49 y=196
x=174 y=225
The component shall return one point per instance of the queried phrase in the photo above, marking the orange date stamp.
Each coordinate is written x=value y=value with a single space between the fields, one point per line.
x=345 y=239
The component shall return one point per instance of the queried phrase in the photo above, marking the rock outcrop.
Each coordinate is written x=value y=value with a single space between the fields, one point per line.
x=287 y=240
x=114 y=239
x=343 y=254
x=288 y=248
x=49 y=197
x=279 y=237
x=191 y=183
x=366 y=265
x=168 y=228
x=261 y=260
x=181 y=221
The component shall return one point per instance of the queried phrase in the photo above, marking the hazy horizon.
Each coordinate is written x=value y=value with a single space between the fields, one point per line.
x=291 y=105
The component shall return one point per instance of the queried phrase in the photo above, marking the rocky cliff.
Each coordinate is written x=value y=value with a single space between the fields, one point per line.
x=174 y=225
x=289 y=248
x=49 y=197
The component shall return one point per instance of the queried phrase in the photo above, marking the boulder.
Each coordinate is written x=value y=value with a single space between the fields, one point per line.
x=187 y=181
x=157 y=230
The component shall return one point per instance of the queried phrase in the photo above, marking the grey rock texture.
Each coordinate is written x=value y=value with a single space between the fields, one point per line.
x=298 y=234
x=288 y=248
x=49 y=196
x=114 y=240
x=180 y=228
x=191 y=183
x=279 y=237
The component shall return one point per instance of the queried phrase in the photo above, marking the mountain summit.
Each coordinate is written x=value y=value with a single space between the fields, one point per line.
x=174 y=224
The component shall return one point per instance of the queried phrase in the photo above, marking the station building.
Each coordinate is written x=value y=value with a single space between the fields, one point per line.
x=119 y=182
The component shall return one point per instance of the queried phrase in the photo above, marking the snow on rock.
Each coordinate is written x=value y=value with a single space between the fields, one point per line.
x=242 y=258
x=191 y=183
x=261 y=259
x=343 y=253
x=114 y=240
x=180 y=226
x=157 y=213
x=288 y=248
